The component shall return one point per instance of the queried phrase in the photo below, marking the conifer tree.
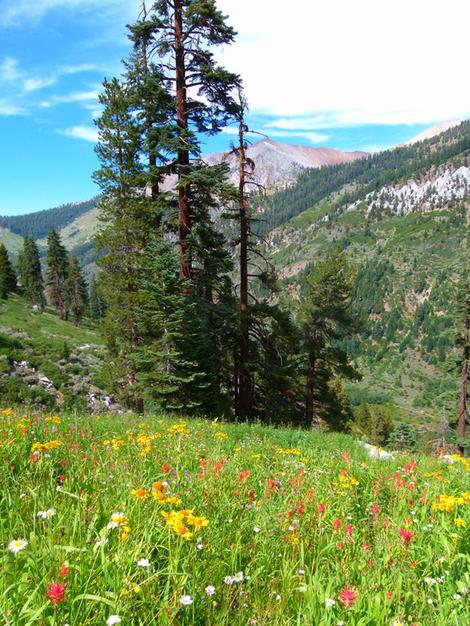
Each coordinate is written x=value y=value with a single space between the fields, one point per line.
x=96 y=308
x=56 y=273
x=185 y=32
x=167 y=377
x=130 y=221
x=463 y=345
x=29 y=268
x=7 y=274
x=325 y=318
x=76 y=291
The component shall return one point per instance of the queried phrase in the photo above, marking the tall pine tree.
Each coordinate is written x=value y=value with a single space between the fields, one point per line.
x=56 y=273
x=7 y=274
x=76 y=291
x=325 y=320
x=29 y=269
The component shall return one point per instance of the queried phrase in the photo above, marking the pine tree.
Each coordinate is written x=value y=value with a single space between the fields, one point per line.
x=76 y=291
x=167 y=378
x=185 y=31
x=56 y=273
x=463 y=345
x=96 y=307
x=29 y=269
x=130 y=221
x=325 y=319
x=7 y=274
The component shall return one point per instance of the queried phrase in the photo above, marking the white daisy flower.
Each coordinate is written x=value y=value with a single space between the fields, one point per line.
x=17 y=545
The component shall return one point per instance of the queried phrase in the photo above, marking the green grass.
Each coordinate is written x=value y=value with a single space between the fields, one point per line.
x=44 y=328
x=271 y=506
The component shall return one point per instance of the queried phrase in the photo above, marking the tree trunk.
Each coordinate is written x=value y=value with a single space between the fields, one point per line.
x=152 y=186
x=309 y=389
x=244 y=383
x=184 y=210
x=463 y=405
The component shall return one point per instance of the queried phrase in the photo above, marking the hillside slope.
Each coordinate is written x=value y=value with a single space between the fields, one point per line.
x=404 y=218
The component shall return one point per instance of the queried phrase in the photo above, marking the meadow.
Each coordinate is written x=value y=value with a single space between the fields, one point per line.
x=140 y=521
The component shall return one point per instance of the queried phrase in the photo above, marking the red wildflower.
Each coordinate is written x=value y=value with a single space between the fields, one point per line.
x=406 y=535
x=321 y=509
x=56 y=592
x=337 y=524
x=244 y=475
x=348 y=596
x=349 y=529
x=375 y=508
x=63 y=571
x=165 y=468
x=346 y=456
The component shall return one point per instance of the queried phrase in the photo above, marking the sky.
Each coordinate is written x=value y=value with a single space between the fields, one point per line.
x=362 y=75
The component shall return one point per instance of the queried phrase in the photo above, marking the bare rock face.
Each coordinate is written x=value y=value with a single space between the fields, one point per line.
x=278 y=163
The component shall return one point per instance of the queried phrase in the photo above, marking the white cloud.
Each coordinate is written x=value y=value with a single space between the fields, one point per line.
x=9 y=70
x=78 y=96
x=365 y=62
x=87 y=133
x=33 y=84
x=9 y=109
x=14 y=12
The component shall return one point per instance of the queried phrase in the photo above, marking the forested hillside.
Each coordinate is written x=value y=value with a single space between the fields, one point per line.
x=406 y=234
x=39 y=223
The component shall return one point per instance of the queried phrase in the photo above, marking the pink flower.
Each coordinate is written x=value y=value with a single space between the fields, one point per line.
x=406 y=536
x=349 y=529
x=348 y=596
x=56 y=592
x=337 y=524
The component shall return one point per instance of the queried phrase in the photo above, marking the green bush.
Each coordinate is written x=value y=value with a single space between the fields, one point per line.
x=403 y=437
x=14 y=391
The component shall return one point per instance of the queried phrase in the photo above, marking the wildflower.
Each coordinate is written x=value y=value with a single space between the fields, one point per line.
x=430 y=601
x=457 y=596
x=459 y=521
x=406 y=536
x=186 y=600
x=329 y=603
x=112 y=620
x=336 y=524
x=349 y=529
x=140 y=494
x=348 y=596
x=210 y=590
x=228 y=580
x=17 y=545
x=47 y=514
x=321 y=509
x=199 y=546
x=63 y=571
x=238 y=577
x=143 y=563
x=56 y=592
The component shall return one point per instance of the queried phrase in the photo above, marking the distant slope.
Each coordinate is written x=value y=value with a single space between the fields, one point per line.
x=39 y=224
x=404 y=219
x=433 y=131
x=277 y=163
x=347 y=183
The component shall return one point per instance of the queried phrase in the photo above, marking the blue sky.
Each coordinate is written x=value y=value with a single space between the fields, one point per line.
x=349 y=84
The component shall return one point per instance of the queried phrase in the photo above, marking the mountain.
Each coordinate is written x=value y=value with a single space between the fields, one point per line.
x=403 y=216
x=279 y=163
x=431 y=132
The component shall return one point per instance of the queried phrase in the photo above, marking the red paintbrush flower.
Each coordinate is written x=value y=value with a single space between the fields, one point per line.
x=348 y=596
x=56 y=592
x=63 y=571
x=406 y=536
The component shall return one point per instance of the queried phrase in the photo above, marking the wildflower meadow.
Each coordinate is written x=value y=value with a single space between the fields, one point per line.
x=121 y=520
